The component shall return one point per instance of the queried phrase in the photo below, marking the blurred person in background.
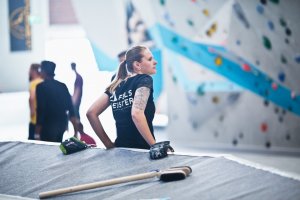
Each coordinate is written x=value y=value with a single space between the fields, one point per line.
x=121 y=58
x=34 y=79
x=77 y=94
x=54 y=106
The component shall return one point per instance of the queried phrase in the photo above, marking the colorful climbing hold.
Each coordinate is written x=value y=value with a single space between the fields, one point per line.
x=260 y=9
x=205 y=12
x=282 y=22
x=268 y=144
x=190 y=22
x=275 y=1
x=266 y=102
x=264 y=127
x=246 y=67
x=283 y=59
x=264 y=2
x=234 y=142
x=212 y=29
x=271 y=25
x=274 y=86
x=218 y=61
x=174 y=79
x=162 y=2
x=215 y=99
x=267 y=43
x=297 y=59
x=208 y=33
x=288 y=32
x=200 y=90
x=281 y=76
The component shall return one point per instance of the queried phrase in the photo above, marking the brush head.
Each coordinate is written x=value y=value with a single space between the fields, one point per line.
x=172 y=176
x=175 y=173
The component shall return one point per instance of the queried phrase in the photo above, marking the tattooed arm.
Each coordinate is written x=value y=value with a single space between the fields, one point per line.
x=138 y=116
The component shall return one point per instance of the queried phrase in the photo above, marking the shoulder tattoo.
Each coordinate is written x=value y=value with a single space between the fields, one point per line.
x=141 y=97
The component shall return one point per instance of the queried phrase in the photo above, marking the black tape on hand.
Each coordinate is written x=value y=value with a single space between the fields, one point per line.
x=72 y=145
x=160 y=150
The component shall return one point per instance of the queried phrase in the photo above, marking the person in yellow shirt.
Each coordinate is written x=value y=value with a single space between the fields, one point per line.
x=34 y=78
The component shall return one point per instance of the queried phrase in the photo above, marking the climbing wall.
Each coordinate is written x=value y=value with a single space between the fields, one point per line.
x=231 y=71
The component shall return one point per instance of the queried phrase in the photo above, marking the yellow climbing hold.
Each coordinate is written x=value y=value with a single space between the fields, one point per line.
x=205 y=12
x=218 y=61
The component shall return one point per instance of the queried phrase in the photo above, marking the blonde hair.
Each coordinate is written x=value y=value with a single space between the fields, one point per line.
x=126 y=67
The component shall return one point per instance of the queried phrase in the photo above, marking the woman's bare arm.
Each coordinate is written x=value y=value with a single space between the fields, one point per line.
x=98 y=107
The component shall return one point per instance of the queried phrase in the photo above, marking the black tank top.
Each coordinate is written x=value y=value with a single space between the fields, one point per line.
x=121 y=102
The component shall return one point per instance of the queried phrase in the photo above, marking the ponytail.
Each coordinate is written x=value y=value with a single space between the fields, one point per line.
x=120 y=76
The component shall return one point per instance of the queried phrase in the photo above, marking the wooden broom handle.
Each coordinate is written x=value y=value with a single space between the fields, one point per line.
x=99 y=184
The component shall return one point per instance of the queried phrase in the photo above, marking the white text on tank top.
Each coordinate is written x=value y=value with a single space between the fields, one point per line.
x=121 y=101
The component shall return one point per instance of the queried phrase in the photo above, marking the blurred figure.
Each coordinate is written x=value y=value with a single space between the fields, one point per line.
x=85 y=137
x=34 y=78
x=54 y=104
x=121 y=58
x=77 y=94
